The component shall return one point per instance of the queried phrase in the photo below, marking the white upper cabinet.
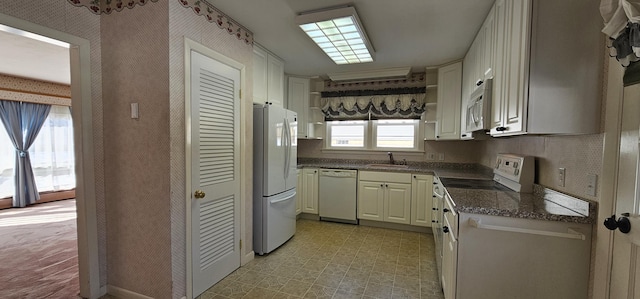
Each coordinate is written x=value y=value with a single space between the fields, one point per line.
x=304 y=101
x=546 y=67
x=298 y=101
x=449 y=101
x=268 y=77
x=259 y=75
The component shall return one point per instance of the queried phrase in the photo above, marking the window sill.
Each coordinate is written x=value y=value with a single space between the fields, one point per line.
x=368 y=151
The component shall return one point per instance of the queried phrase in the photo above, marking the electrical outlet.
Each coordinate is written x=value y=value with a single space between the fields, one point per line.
x=431 y=156
x=440 y=156
x=592 y=183
x=561 y=176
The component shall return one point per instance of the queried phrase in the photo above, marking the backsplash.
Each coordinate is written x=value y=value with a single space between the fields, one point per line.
x=581 y=156
x=454 y=152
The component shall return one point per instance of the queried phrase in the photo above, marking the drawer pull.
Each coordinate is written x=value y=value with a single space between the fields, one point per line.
x=571 y=234
x=445 y=229
x=445 y=210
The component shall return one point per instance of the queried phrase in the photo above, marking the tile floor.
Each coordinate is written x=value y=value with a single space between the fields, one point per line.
x=331 y=260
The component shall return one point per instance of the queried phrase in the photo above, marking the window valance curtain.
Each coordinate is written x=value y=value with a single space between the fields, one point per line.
x=622 y=26
x=398 y=106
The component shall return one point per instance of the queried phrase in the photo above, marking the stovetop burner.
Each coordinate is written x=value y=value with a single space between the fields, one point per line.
x=473 y=184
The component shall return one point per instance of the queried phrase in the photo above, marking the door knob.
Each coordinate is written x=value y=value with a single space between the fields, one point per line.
x=199 y=194
x=611 y=223
x=623 y=223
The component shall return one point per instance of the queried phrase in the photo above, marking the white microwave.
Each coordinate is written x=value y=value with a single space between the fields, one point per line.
x=478 y=107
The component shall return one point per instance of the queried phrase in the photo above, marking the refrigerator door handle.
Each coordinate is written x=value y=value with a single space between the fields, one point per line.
x=285 y=143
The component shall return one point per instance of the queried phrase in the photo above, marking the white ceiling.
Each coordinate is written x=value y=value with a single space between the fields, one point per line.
x=415 y=33
x=29 y=58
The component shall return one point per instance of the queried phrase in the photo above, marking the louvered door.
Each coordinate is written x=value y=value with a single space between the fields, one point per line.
x=215 y=205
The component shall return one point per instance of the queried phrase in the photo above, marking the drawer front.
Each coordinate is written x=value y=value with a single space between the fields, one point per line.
x=450 y=215
x=388 y=177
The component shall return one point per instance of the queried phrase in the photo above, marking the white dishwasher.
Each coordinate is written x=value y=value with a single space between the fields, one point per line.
x=337 y=195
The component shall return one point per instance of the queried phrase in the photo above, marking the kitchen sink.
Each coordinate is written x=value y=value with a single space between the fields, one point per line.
x=388 y=166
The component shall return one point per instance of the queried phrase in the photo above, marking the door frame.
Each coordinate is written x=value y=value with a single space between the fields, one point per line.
x=607 y=204
x=244 y=153
x=87 y=227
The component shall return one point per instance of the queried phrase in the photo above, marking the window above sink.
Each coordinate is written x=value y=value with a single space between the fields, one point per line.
x=374 y=135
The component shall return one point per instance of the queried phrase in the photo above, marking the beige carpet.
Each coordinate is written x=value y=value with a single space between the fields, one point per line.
x=38 y=251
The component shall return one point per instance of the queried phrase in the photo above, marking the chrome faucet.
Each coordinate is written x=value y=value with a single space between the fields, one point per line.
x=391 y=160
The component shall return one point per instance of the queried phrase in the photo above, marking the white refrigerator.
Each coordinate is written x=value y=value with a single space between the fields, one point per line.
x=274 y=176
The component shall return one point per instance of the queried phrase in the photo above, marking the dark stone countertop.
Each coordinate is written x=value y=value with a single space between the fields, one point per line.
x=542 y=204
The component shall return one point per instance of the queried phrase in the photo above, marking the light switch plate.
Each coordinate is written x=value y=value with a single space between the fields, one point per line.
x=431 y=156
x=561 y=176
x=134 y=110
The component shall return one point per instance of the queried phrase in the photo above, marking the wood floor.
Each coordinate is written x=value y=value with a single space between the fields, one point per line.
x=38 y=251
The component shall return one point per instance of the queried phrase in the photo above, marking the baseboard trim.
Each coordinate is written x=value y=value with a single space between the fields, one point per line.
x=308 y=216
x=103 y=290
x=247 y=258
x=398 y=226
x=124 y=294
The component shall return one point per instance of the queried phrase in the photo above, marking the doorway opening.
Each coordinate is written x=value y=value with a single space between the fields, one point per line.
x=80 y=212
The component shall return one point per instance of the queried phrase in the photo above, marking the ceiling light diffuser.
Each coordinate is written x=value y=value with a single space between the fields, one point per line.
x=338 y=33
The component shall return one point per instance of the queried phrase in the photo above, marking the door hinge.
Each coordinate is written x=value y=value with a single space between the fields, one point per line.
x=240 y=243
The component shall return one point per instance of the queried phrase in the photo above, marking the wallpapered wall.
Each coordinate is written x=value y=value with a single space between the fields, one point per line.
x=77 y=21
x=145 y=172
x=34 y=91
x=135 y=68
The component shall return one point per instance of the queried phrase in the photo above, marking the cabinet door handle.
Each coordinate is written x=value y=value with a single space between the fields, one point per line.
x=501 y=129
x=445 y=229
x=381 y=185
x=386 y=185
x=445 y=210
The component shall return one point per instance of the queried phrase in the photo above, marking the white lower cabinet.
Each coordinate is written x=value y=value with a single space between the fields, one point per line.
x=310 y=190
x=385 y=196
x=397 y=203
x=421 y=200
x=449 y=249
x=371 y=200
x=299 y=191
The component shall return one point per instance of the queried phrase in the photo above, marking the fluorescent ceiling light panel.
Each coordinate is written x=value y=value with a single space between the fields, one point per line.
x=338 y=33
